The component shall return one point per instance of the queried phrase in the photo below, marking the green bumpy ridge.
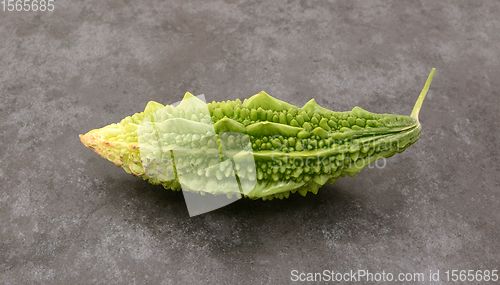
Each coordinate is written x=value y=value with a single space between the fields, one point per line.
x=294 y=149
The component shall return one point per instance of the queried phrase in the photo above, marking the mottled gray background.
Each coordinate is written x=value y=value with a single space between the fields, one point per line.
x=70 y=217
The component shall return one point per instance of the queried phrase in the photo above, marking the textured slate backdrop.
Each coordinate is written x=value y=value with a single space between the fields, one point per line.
x=68 y=216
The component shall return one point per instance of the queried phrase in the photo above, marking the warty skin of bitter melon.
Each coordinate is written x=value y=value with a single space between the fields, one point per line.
x=260 y=148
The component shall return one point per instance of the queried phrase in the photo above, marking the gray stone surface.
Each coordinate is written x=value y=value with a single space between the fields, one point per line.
x=69 y=217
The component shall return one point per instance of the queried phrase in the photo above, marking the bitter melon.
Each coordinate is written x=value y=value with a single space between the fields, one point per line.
x=259 y=148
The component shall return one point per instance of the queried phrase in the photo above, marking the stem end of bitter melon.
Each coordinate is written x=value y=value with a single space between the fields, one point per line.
x=420 y=100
